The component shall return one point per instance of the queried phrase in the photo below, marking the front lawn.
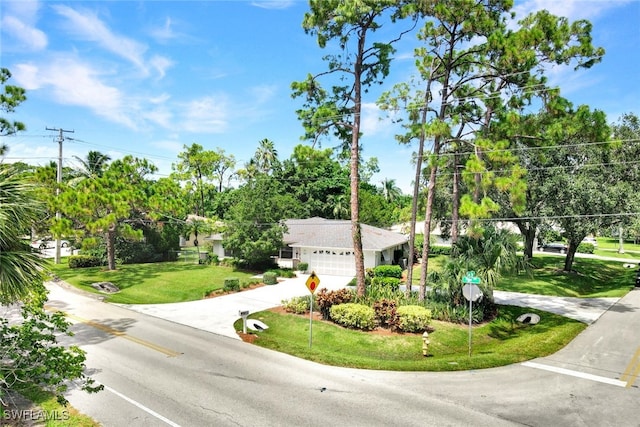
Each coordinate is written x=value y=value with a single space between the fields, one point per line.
x=152 y=283
x=501 y=342
x=592 y=278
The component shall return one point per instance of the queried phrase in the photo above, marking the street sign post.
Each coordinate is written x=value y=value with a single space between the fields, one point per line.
x=312 y=284
x=472 y=293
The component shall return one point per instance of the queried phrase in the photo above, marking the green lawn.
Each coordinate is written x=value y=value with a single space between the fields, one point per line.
x=503 y=341
x=609 y=243
x=152 y=283
x=592 y=278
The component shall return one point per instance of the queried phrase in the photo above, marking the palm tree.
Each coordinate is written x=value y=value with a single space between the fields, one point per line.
x=20 y=267
x=390 y=190
x=266 y=156
x=93 y=166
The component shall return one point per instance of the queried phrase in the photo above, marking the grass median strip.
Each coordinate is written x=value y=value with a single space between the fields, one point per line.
x=501 y=342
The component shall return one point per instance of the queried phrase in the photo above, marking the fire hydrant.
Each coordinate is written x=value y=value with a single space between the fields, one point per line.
x=425 y=344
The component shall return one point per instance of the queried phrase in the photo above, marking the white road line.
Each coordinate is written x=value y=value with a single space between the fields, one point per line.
x=141 y=406
x=575 y=374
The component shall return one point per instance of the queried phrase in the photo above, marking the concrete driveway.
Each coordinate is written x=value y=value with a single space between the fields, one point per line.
x=218 y=314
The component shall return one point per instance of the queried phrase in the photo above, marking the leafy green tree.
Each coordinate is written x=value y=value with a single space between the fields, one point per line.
x=29 y=348
x=315 y=180
x=363 y=61
x=253 y=228
x=481 y=70
x=10 y=98
x=197 y=167
x=108 y=204
x=576 y=196
x=625 y=173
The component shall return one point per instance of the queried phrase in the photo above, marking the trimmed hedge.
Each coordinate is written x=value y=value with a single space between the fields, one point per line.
x=84 y=261
x=387 y=282
x=585 y=248
x=326 y=299
x=270 y=278
x=231 y=284
x=297 y=305
x=355 y=316
x=413 y=318
x=388 y=271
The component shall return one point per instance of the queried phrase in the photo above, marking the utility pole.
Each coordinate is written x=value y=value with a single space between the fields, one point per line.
x=59 y=180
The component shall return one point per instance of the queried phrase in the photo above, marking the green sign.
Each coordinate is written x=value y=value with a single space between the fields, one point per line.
x=471 y=277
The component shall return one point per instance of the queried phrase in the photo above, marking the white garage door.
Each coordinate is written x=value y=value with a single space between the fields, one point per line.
x=335 y=262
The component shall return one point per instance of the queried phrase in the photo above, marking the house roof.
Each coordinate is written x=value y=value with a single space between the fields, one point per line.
x=329 y=233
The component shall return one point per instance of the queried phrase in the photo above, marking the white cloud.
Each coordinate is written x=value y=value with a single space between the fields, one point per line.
x=273 y=4
x=571 y=9
x=161 y=64
x=374 y=121
x=206 y=115
x=30 y=37
x=19 y=22
x=89 y=27
x=73 y=82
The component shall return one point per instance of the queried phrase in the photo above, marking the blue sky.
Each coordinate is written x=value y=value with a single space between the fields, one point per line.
x=147 y=77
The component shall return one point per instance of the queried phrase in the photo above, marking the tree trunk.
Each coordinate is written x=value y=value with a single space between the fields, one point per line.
x=416 y=193
x=355 y=179
x=424 y=268
x=621 y=240
x=529 y=233
x=455 y=208
x=571 y=254
x=111 y=247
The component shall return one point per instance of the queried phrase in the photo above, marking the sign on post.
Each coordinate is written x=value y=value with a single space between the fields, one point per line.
x=312 y=284
x=472 y=293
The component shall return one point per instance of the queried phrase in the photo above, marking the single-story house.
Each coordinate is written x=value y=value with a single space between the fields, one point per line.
x=326 y=246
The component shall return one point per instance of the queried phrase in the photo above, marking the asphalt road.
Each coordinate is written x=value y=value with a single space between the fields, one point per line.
x=159 y=373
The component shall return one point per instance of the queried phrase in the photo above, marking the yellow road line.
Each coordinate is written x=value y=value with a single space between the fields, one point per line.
x=630 y=374
x=118 y=333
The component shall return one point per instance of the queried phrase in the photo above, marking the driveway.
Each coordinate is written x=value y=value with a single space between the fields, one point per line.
x=218 y=314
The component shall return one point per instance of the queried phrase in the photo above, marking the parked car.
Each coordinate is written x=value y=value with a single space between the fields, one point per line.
x=591 y=240
x=47 y=242
x=557 y=247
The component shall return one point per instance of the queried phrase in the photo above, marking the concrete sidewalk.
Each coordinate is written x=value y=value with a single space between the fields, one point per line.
x=217 y=315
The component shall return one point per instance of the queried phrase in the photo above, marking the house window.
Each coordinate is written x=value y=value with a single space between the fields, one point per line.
x=286 y=252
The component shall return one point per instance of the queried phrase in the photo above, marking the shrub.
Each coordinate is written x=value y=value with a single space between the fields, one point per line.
x=413 y=318
x=231 y=284
x=83 y=261
x=389 y=282
x=249 y=283
x=386 y=313
x=355 y=316
x=439 y=250
x=303 y=266
x=585 y=248
x=388 y=271
x=285 y=272
x=270 y=278
x=297 y=305
x=326 y=299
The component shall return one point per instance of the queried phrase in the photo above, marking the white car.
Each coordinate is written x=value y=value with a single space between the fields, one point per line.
x=591 y=240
